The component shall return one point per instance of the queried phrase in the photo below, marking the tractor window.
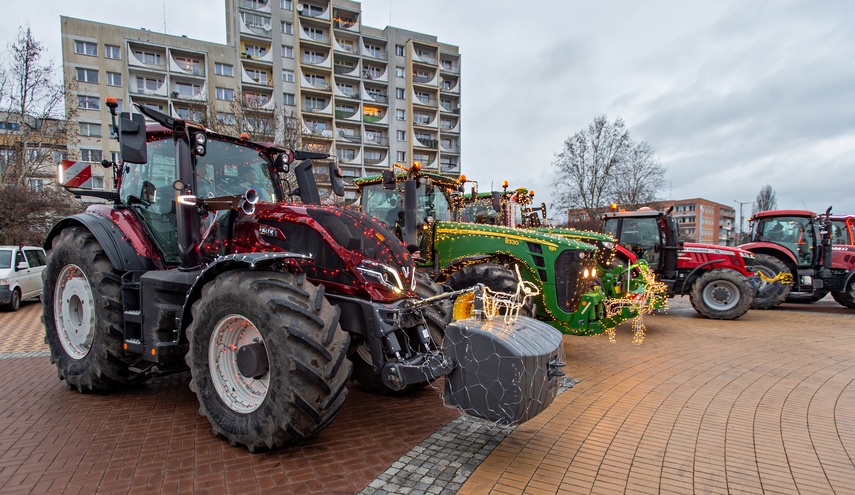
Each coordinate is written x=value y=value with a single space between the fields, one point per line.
x=794 y=233
x=228 y=169
x=382 y=204
x=147 y=187
x=839 y=233
x=432 y=203
x=641 y=236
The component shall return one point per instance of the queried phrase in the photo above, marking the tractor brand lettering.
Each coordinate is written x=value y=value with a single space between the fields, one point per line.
x=268 y=231
x=512 y=241
x=707 y=251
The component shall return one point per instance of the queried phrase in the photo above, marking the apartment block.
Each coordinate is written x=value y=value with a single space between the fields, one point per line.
x=702 y=220
x=371 y=96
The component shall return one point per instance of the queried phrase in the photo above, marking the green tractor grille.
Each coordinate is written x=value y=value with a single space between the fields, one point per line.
x=569 y=281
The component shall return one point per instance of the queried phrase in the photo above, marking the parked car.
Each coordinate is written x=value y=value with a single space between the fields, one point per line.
x=20 y=274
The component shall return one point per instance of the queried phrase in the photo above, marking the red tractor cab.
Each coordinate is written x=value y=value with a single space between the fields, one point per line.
x=799 y=258
x=719 y=280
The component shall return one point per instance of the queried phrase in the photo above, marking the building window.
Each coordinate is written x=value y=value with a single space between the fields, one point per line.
x=346 y=89
x=255 y=50
x=190 y=65
x=287 y=28
x=226 y=94
x=87 y=75
x=289 y=99
x=187 y=114
x=374 y=50
x=258 y=76
x=113 y=51
x=345 y=155
x=399 y=72
x=421 y=157
x=373 y=155
x=114 y=79
x=421 y=118
x=288 y=76
x=226 y=118
x=286 y=5
x=399 y=50
x=187 y=89
x=148 y=84
x=86 y=48
x=59 y=156
x=256 y=99
x=313 y=57
x=224 y=69
x=316 y=34
x=87 y=155
x=371 y=72
x=287 y=52
x=37 y=185
x=312 y=103
x=401 y=157
x=88 y=102
x=148 y=58
x=401 y=135
x=401 y=114
x=256 y=21
x=399 y=93
x=316 y=80
x=89 y=129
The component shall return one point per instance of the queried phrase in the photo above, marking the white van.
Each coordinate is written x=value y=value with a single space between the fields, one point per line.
x=20 y=274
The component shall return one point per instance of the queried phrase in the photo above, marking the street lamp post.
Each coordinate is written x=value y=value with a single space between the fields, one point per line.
x=741 y=203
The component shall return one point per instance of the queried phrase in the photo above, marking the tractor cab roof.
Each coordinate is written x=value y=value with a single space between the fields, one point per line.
x=436 y=178
x=784 y=213
x=642 y=212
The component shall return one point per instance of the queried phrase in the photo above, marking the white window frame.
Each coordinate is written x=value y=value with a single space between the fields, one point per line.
x=114 y=79
x=225 y=94
x=226 y=70
x=110 y=50
x=88 y=48
x=89 y=75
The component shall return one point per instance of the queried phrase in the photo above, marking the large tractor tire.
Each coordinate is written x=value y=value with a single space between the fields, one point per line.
x=770 y=295
x=437 y=317
x=82 y=314
x=806 y=298
x=846 y=297
x=722 y=294
x=496 y=277
x=267 y=358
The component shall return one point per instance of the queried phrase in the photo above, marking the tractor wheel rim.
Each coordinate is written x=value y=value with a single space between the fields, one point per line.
x=239 y=393
x=74 y=311
x=721 y=295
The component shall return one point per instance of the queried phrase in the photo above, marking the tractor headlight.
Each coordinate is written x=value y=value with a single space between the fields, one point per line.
x=608 y=245
x=381 y=274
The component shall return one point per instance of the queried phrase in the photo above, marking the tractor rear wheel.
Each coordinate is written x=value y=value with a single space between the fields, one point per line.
x=496 y=277
x=267 y=358
x=770 y=295
x=806 y=298
x=846 y=297
x=437 y=317
x=82 y=314
x=721 y=294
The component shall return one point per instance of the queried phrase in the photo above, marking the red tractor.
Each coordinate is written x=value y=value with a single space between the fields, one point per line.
x=719 y=280
x=799 y=257
x=269 y=304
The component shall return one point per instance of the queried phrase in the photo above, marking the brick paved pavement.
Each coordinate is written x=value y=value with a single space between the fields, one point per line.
x=760 y=404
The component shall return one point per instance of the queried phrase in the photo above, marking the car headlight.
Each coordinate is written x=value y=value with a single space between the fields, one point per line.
x=4 y=281
x=747 y=255
x=381 y=274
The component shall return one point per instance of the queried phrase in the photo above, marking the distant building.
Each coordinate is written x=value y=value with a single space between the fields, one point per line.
x=371 y=96
x=30 y=149
x=699 y=220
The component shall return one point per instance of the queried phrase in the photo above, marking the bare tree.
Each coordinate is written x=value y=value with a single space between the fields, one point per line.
x=587 y=164
x=602 y=164
x=765 y=200
x=32 y=104
x=638 y=178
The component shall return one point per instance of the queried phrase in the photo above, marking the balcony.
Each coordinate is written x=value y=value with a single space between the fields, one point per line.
x=425 y=80
x=449 y=66
x=342 y=91
x=424 y=100
x=319 y=108
x=317 y=130
x=379 y=98
x=375 y=54
x=346 y=46
x=376 y=140
x=263 y=31
x=314 y=11
x=348 y=21
x=449 y=166
x=350 y=137
x=346 y=114
x=375 y=74
x=424 y=57
x=450 y=86
x=189 y=93
x=374 y=116
x=314 y=36
x=144 y=57
x=426 y=143
x=315 y=83
x=346 y=70
x=149 y=88
x=450 y=148
x=317 y=60
x=186 y=67
x=377 y=162
x=449 y=107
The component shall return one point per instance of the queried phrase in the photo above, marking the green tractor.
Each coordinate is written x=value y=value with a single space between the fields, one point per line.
x=620 y=277
x=422 y=209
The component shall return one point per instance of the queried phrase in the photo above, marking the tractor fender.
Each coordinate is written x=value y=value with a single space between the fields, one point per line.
x=626 y=253
x=242 y=261
x=116 y=243
x=772 y=249
x=690 y=278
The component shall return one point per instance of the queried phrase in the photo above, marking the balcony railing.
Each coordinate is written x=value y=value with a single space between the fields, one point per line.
x=345 y=114
x=374 y=161
x=377 y=55
x=422 y=79
x=381 y=141
x=428 y=143
x=425 y=100
x=379 y=98
x=353 y=138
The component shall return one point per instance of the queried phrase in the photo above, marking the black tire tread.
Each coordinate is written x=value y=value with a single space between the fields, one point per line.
x=774 y=294
x=746 y=294
x=105 y=367
x=307 y=388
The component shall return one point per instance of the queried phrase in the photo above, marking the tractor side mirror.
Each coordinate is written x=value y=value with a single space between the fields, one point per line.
x=389 y=180
x=132 y=138
x=497 y=201
x=543 y=210
x=336 y=180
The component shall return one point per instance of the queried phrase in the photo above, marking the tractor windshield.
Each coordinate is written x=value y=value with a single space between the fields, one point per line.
x=388 y=206
x=840 y=233
x=226 y=169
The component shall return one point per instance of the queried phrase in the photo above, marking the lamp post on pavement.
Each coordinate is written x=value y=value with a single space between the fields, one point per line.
x=741 y=203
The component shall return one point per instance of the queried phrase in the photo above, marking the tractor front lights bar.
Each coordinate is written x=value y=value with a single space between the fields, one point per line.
x=381 y=274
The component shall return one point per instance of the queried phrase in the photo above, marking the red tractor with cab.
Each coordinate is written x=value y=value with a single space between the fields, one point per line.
x=200 y=263
x=802 y=257
x=719 y=280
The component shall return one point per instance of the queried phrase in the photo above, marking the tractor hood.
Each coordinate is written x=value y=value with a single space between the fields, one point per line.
x=695 y=247
x=510 y=234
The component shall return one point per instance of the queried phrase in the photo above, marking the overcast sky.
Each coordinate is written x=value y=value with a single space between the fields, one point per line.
x=730 y=94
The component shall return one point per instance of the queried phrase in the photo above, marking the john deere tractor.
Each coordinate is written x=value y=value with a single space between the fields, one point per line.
x=270 y=303
x=421 y=207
